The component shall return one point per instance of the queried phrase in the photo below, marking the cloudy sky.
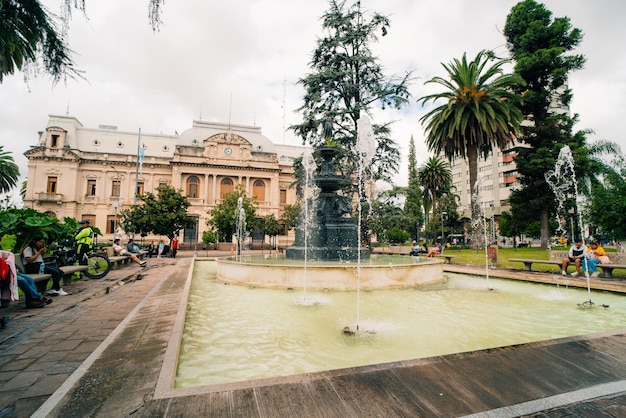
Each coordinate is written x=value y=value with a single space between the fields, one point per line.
x=240 y=61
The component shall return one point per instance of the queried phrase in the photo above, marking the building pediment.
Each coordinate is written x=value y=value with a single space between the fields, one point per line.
x=41 y=152
x=227 y=145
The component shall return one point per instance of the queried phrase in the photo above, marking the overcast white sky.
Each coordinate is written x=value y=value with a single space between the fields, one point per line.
x=256 y=50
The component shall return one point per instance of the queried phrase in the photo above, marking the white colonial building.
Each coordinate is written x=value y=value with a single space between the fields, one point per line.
x=92 y=173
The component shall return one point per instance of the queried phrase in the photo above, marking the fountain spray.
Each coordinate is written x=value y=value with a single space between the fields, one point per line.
x=308 y=163
x=481 y=222
x=563 y=183
x=240 y=219
x=366 y=149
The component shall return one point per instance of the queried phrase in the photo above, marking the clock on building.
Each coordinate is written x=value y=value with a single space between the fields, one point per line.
x=228 y=150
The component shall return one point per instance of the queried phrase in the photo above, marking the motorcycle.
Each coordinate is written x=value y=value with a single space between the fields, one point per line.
x=64 y=254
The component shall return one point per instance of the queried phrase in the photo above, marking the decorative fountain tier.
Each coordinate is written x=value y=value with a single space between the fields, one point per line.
x=333 y=233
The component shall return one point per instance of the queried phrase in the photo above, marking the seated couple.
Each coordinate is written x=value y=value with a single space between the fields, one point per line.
x=585 y=258
x=119 y=250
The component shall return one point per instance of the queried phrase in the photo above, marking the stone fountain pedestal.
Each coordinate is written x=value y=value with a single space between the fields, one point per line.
x=333 y=232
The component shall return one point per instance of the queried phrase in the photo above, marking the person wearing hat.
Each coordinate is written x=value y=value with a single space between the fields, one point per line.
x=83 y=239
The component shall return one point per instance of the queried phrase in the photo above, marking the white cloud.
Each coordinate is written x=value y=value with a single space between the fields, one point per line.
x=255 y=51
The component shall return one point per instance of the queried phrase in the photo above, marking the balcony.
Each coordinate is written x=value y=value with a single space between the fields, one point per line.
x=45 y=197
x=508 y=158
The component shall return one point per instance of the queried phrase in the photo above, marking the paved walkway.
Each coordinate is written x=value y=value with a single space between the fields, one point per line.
x=100 y=351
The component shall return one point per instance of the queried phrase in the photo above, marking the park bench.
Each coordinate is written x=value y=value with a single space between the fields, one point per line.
x=618 y=261
x=41 y=280
x=405 y=250
x=528 y=262
x=448 y=257
x=116 y=260
x=557 y=256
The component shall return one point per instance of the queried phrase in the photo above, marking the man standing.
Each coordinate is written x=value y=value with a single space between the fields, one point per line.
x=576 y=255
x=83 y=239
x=174 y=246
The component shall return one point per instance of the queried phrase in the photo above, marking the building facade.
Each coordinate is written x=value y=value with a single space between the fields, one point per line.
x=497 y=177
x=89 y=173
x=497 y=174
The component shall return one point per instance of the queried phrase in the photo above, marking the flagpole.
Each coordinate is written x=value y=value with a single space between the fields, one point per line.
x=137 y=166
x=137 y=173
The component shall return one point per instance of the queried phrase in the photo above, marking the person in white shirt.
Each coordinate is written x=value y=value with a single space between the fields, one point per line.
x=32 y=257
x=119 y=250
x=576 y=255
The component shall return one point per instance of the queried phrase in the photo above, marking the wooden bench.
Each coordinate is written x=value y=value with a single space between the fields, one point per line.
x=618 y=261
x=68 y=272
x=528 y=262
x=607 y=269
x=116 y=260
x=448 y=257
x=41 y=280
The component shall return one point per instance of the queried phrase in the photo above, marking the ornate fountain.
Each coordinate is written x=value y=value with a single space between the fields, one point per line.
x=333 y=232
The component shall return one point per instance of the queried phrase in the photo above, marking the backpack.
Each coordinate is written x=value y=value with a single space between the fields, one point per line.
x=5 y=274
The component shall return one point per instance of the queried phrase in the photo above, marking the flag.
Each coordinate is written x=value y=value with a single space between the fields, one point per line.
x=140 y=153
x=142 y=157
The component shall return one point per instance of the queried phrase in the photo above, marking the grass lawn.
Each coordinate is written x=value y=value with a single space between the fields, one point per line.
x=535 y=253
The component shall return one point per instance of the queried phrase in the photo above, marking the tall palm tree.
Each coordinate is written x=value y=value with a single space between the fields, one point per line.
x=9 y=171
x=434 y=176
x=480 y=114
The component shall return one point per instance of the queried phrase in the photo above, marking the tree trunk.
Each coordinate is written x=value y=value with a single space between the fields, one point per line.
x=545 y=229
x=477 y=218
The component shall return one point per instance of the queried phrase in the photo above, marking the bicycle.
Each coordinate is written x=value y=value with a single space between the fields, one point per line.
x=64 y=254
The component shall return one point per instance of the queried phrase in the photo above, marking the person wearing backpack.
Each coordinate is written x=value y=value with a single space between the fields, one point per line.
x=11 y=278
x=32 y=257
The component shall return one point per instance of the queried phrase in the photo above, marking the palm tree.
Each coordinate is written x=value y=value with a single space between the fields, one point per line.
x=29 y=35
x=434 y=176
x=9 y=171
x=480 y=114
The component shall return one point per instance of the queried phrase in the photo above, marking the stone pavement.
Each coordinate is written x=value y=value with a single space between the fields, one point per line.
x=41 y=348
x=99 y=353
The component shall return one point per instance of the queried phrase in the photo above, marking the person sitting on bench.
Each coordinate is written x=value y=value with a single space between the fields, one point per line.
x=436 y=250
x=119 y=250
x=576 y=255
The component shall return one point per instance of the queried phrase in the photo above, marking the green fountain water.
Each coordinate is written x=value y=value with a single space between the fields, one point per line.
x=237 y=333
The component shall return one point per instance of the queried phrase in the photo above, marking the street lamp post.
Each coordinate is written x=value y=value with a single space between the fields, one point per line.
x=115 y=204
x=443 y=237
x=493 y=223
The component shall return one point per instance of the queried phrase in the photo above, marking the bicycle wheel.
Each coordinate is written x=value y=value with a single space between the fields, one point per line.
x=98 y=266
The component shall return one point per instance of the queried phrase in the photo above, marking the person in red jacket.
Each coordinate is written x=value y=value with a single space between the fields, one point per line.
x=174 y=246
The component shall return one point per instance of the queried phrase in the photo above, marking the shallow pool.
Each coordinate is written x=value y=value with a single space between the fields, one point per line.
x=234 y=333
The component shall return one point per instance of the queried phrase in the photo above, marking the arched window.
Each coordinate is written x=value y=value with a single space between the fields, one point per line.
x=226 y=186
x=193 y=184
x=258 y=190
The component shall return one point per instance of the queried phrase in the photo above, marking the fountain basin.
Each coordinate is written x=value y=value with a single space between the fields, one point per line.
x=376 y=272
x=237 y=334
